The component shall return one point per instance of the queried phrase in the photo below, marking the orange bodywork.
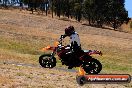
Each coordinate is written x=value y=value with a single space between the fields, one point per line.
x=56 y=44
x=50 y=47
x=47 y=48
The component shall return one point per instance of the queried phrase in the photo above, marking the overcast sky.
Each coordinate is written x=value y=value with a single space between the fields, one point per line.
x=128 y=6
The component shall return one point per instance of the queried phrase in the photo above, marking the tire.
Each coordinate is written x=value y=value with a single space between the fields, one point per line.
x=46 y=61
x=81 y=80
x=92 y=67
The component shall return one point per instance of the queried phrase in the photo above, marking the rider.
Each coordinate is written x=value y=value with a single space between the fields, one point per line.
x=75 y=45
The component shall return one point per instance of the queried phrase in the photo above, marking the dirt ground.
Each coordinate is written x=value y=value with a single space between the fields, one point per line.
x=22 y=35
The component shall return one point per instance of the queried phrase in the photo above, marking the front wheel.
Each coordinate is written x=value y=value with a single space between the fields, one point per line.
x=92 y=67
x=47 y=61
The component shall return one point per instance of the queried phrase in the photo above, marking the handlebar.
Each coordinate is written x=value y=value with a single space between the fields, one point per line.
x=60 y=39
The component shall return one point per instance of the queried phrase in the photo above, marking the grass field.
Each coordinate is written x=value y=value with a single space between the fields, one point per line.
x=22 y=35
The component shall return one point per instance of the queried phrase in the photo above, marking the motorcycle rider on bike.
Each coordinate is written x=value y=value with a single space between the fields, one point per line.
x=75 y=46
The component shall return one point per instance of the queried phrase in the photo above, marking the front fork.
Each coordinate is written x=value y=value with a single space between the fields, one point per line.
x=53 y=53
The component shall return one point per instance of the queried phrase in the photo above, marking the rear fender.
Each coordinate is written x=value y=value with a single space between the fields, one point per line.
x=90 y=52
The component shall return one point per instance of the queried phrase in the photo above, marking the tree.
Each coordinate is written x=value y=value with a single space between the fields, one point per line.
x=75 y=9
x=78 y=9
x=111 y=12
x=131 y=24
x=89 y=10
x=34 y=4
x=5 y=3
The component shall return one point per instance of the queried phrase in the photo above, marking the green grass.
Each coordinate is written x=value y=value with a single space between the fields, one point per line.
x=19 y=46
x=27 y=51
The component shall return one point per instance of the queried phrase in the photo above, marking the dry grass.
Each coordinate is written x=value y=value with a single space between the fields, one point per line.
x=127 y=27
x=36 y=77
x=4 y=81
x=22 y=35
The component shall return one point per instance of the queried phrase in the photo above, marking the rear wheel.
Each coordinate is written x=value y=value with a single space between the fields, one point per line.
x=92 y=67
x=47 y=61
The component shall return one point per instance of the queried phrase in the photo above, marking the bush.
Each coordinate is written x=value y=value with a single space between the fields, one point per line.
x=131 y=25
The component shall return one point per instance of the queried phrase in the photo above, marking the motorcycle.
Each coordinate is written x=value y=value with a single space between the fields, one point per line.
x=82 y=59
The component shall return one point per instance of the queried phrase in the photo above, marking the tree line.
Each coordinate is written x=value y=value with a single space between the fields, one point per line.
x=96 y=12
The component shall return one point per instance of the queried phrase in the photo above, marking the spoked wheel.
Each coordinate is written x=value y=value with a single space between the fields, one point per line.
x=92 y=67
x=47 y=61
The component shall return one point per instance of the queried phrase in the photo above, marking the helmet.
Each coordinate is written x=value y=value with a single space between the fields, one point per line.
x=69 y=30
